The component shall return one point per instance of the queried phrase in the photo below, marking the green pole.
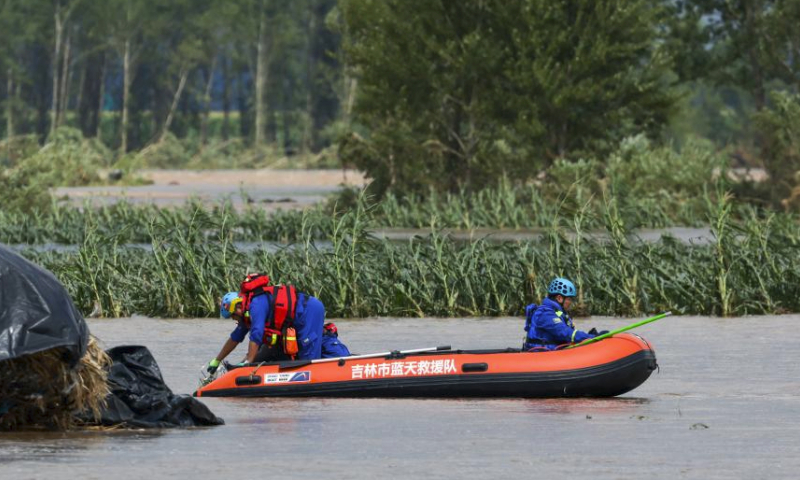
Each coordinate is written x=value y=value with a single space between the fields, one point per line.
x=620 y=330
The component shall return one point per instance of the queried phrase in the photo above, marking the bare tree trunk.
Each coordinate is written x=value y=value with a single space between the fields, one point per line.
x=59 y=27
x=17 y=97
x=562 y=139
x=81 y=84
x=181 y=83
x=260 y=77
x=226 y=98
x=65 y=80
x=39 y=95
x=245 y=127
x=207 y=102
x=10 y=107
x=102 y=97
x=286 y=118
x=305 y=144
x=351 y=85
x=126 y=84
x=757 y=77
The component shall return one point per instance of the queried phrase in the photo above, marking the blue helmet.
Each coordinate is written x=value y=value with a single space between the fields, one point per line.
x=228 y=304
x=562 y=286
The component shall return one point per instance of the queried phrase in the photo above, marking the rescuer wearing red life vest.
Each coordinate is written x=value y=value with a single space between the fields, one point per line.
x=282 y=323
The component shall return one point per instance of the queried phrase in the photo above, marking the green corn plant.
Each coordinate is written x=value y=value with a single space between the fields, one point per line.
x=723 y=241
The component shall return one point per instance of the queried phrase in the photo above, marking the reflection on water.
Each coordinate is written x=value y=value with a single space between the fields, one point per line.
x=271 y=247
x=695 y=236
x=55 y=446
x=715 y=373
x=589 y=406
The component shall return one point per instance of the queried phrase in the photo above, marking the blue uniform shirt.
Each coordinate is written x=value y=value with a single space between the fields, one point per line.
x=309 y=316
x=259 y=311
x=551 y=326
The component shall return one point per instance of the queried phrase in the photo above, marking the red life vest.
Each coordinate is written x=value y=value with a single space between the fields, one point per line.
x=282 y=302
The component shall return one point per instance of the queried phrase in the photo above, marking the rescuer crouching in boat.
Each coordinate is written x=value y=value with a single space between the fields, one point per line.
x=548 y=325
x=282 y=323
x=332 y=347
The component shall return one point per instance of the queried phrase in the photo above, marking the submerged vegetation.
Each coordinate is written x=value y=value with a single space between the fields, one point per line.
x=751 y=268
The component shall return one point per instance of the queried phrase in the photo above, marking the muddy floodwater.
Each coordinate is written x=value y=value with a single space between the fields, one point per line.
x=272 y=189
x=724 y=404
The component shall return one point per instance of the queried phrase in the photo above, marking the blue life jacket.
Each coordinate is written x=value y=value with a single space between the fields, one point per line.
x=332 y=347
x=548 y=326
x=529 y=310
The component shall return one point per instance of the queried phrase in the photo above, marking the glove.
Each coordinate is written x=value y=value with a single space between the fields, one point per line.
x=212 y=366
x=594 y=332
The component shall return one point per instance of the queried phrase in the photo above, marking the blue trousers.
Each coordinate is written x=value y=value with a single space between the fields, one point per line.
x=309 y=329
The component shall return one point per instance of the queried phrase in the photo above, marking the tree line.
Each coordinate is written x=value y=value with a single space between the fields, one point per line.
x=156 y=66
x=418 y=93
x=456 y=94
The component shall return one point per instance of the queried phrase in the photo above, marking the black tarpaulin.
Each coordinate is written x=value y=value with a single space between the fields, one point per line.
x=140 y=398
x=36 y=312
x=37 y=315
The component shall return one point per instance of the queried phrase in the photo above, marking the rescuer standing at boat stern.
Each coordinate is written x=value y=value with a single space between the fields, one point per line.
x=282 y=323
x=548 y=325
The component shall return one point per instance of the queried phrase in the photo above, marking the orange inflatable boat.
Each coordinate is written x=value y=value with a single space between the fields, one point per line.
x=603 y=369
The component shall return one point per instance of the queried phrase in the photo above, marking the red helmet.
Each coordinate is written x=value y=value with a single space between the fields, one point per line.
x=330 y=329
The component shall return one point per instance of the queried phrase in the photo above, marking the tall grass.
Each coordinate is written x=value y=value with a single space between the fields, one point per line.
x=751 y=268
x=129 y=223
x=505 y=207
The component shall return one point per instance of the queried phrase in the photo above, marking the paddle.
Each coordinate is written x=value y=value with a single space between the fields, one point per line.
x=620 y=330
x=302 y=363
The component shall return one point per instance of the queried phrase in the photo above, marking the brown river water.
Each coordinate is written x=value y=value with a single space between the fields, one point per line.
x=725 y=403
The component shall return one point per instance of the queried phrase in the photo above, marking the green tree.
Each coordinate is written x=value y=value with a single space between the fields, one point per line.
x=323 y=73
x=126 y=22
x=779 y=129
x=458 y=93
x=26 y=29
x=744 y=45
x=157 y=63
x=188 y=48
x=755 y=46
x=12 y=38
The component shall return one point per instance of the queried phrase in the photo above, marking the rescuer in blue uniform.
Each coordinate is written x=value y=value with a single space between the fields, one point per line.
x=309 y=317
x=332 y=347
x=549 y=325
